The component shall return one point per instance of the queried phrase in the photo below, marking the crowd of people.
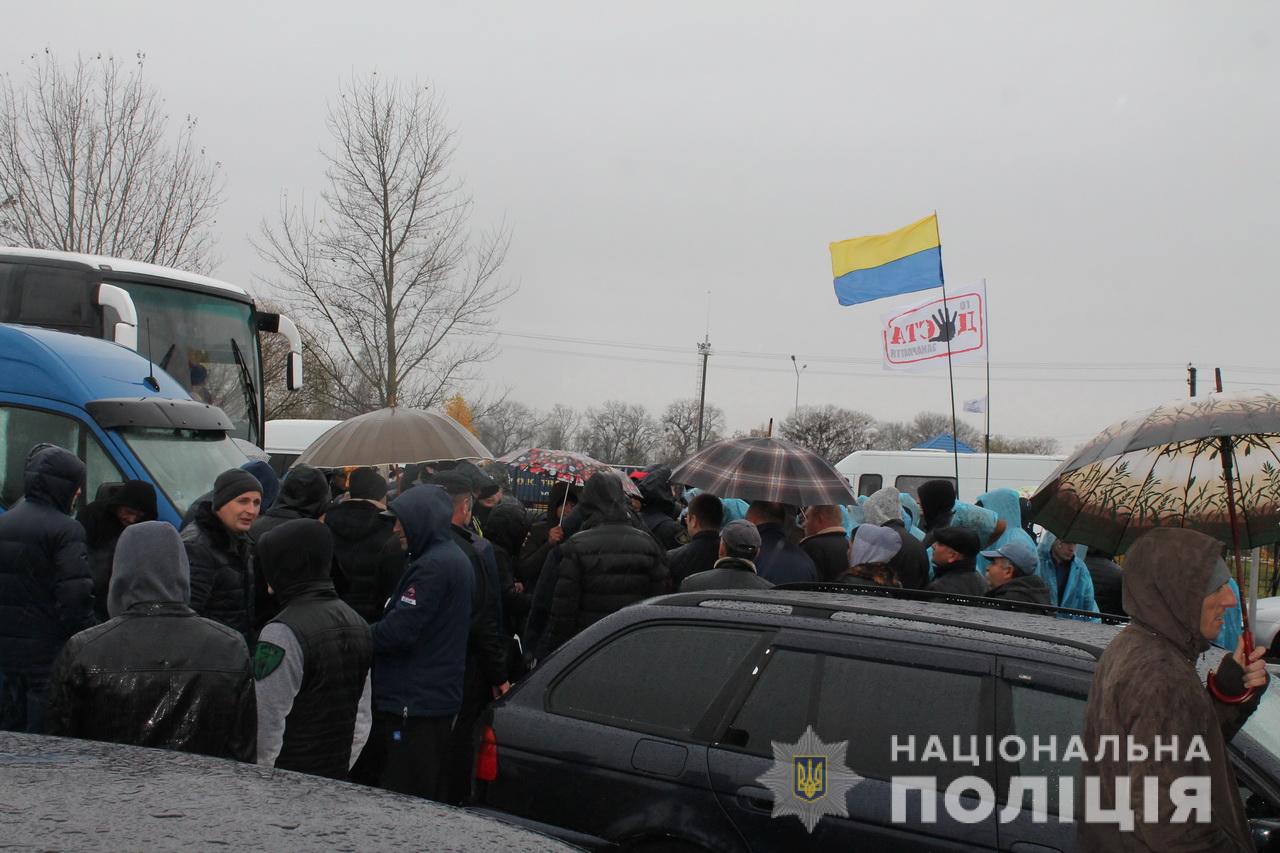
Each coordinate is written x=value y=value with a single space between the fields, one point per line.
x=355 y=626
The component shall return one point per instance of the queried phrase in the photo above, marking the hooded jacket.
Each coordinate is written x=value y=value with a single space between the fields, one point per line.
x=1146 y=686
x=505 y=530
x=606 y=566
x=420 y=643
x=911 y=564
x=155 y=674
x=102 y=529
x=304 y=493
x=1078 y=592
x=1007 y=505
x=658 y=510
x=46 y=592
x=222 y=584
x=312 y=658
x=367 y=557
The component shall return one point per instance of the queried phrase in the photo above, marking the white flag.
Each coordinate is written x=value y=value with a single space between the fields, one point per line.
x=978 y=406
x=916 y=336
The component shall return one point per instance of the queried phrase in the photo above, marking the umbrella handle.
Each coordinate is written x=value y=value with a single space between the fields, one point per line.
x=1212 y=681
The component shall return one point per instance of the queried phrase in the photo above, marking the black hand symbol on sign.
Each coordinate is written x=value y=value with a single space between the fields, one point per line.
x=946 y=322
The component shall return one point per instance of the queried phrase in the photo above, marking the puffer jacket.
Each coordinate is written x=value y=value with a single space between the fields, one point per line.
x=46 y=591
x=157 y=674
x=606 y=566
x=221 y=571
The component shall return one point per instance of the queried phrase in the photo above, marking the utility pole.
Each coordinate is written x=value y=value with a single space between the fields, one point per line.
x=798 y=368
x=1191 y=379
x=704 y=350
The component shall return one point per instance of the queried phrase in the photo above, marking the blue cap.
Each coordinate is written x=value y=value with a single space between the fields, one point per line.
x=1022 y=555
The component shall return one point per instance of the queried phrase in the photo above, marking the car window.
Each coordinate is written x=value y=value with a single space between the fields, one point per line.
x=21 y=429
x=866 y=702
x=1043 y=714
x=660 y=678
x=778 y=707
x=869 y=484
x=909 y=483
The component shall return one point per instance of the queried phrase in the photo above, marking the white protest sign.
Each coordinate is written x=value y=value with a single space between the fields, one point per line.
x=915 y=337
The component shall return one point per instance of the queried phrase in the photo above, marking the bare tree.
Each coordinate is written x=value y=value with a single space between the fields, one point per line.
x=619 y=432
x=892 y=435
x=679 y=423
x=388 y=269
x=560 y=428
x=312 y=400
x=927 y=425
x=88 y=164
x=508 y=426
x=829 y=431
x=1003 y=444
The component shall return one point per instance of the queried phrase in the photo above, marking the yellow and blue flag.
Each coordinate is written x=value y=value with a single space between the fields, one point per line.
x=902 y=261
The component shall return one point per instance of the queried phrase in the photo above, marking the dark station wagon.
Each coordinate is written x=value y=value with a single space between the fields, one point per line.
x=652 y=729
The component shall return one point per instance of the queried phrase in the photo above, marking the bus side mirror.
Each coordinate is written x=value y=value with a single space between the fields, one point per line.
x=293 y=375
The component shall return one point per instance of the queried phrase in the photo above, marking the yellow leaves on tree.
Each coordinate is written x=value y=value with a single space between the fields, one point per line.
x=456 y=407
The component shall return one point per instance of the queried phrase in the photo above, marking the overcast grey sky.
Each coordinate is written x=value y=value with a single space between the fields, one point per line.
x=1107 y=167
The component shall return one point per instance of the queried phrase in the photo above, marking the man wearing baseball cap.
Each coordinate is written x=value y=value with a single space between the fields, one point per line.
x=739 y=545
x=1012 y=574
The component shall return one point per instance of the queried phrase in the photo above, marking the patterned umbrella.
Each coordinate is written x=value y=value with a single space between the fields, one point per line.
x=1164 y=468
x=565 y=466
x=764 y=469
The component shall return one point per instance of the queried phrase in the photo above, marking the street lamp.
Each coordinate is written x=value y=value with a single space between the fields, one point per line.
x=798 y=368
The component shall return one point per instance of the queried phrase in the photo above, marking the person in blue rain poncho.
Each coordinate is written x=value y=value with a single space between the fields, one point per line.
x=911 y=514
x=1007 y=505
x=1232 y=624
x=1063 y=570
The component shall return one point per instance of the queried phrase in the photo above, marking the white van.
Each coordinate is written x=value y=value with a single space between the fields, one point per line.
x=870 y=470
x=288 y=437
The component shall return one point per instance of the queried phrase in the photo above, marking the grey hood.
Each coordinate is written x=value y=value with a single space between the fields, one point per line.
x=883 y=506
x=150 y=568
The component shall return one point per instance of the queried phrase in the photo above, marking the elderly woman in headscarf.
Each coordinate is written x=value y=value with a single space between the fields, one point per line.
x=870 y=552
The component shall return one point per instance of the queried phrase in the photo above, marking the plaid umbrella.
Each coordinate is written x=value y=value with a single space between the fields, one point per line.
x=764 y=469
x=565 y=466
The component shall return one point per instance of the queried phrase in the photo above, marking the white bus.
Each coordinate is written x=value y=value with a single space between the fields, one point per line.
x=870 y=470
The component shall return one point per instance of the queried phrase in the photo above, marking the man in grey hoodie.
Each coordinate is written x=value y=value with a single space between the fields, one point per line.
x=155 y=674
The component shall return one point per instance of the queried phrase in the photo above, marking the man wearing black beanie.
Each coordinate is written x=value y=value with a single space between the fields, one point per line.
x=220 y=553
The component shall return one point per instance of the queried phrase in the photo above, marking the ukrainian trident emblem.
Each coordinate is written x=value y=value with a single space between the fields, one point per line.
x=804 y=773
x=811 y=776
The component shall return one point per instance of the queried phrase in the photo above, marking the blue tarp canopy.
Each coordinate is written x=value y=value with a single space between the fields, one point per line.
x=944 y=441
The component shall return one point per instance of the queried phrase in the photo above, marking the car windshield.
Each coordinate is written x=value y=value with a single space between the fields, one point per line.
x=183 y=462
x=207 y=343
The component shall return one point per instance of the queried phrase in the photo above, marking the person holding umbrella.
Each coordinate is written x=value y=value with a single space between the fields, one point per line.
x=1146 y=691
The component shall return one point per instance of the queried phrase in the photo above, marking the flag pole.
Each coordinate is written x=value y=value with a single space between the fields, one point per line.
x=951 y=379
x=986 y=329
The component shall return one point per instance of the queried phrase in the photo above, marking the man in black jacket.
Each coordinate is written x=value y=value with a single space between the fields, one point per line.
x=156 y=674
x=780 y=560
x=312 y=660
x=658 y=507
x=604 y=567
x=1108 y=581
x=546 y=533
x=1012 y=574
x=220 y=553
x=116 y=507
x=911 y=564
x=46 y=592
x=303 y=494
x=955 y=552
x=486 y=673
x=825 y=541
x=368 y=559
x=705 y=515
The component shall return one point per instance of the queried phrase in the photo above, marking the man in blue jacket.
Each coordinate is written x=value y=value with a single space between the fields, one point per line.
x=420 y=647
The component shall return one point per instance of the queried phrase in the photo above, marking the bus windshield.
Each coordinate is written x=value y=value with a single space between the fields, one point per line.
x=207 y=343
x=183 y=462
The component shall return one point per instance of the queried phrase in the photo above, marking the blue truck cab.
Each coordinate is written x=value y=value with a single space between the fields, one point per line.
x=124 y=417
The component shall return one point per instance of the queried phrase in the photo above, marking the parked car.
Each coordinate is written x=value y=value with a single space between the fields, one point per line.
x=62 y=793
x=653 y=728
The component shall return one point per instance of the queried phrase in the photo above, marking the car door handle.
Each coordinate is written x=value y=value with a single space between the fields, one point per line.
x=760 y=799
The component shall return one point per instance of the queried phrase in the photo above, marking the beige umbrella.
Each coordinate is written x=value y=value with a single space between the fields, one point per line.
x=393 y=436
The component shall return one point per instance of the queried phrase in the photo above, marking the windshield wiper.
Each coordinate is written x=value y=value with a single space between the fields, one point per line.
x=250 y=391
